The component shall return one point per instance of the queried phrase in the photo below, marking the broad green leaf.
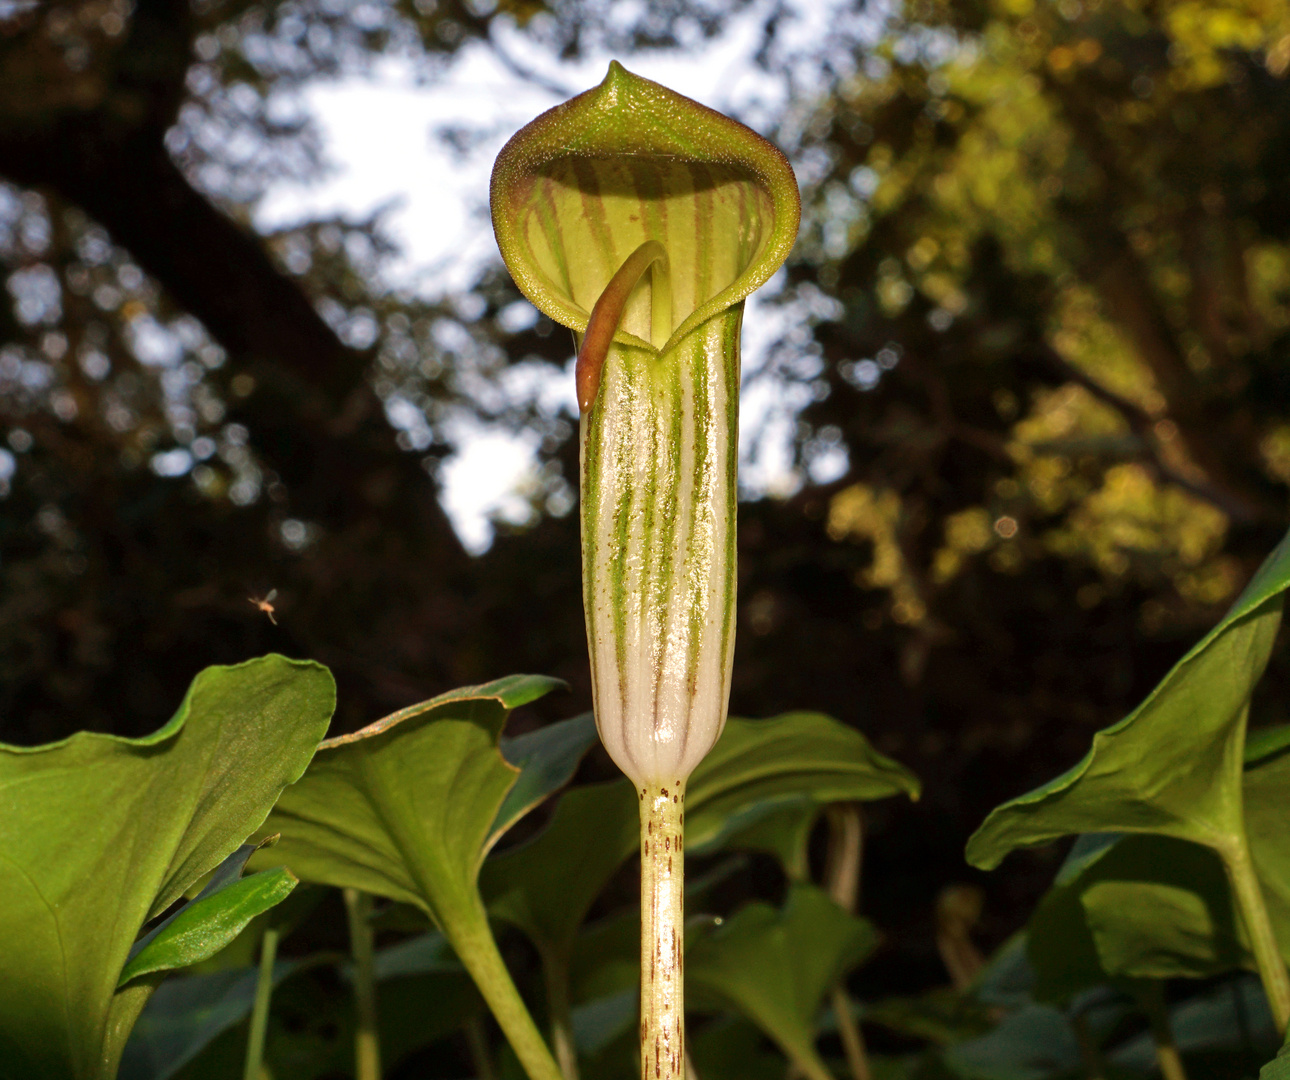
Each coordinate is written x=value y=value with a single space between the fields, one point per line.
x=1033 y=1043
x=758 y=768
x=786 y=758
x=423 y=994
x=1008 y=978
x=1232 y=1015
x=185 y=1015
x=941 y=1016
x=731 y=1048
x=99 y=834
x=207 y=924
x=547 y=759
x=598 y=1023
x=781 y=829
x=546 y=886
x=1279 y=1067
x=1173 y=765
x=284 y=918
x=1267 y=825
x=407 y=808
x=1155 y=907
x=775 y=966
x=1147 y=907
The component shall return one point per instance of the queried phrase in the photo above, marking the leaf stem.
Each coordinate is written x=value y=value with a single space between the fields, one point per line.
x=473 y=941
x=481 y=1056
x=367 y=1040
x=662 y=809
x=260 y=1011
x=1089 y=1051
x=846 y=848
x=555 y=968
x=1258 y=925
x=1152 y=999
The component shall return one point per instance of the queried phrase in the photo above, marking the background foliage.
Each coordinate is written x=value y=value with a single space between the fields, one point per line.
x=1039 y=310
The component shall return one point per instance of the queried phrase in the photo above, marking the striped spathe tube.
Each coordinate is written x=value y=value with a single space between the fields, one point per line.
x=642 y=220
x=576 y=196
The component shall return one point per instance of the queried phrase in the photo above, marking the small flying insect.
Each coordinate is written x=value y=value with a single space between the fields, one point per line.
x=265 y=604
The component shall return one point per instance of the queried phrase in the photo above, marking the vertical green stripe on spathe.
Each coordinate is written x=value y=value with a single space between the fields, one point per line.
x=658 y=523
x=730 y=356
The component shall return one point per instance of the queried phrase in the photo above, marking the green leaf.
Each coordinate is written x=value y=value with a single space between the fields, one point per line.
x=598 y=1023
x=941 y=1016
x=1232 y=1015
x=1035 y=1042
x=776 y=966
x=284 y=918
x=99 y=834
x=423 y=994
x=730 y=1048
x=1173 y=765
x=1147 y=907
x=201 y=928
x=1267 y=794
x=547 y=759
x=790 y=764
x=1155 y=907
x=1279 y=1067
x=798 y=755
x=546 y=886
x=407 y=808
x=185 y=1015
x=781 y=829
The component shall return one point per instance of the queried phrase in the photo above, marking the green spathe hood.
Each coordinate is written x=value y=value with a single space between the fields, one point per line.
x=576 y=191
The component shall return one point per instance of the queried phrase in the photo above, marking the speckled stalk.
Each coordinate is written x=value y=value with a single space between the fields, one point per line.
x=662 y=931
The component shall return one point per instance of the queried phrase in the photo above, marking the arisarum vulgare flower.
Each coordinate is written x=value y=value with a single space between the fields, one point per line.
x=641 y=220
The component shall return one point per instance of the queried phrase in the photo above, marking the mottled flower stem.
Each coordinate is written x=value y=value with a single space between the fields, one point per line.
x=662 y=809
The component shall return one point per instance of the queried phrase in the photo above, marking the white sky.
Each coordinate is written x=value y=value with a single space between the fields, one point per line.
x=379 y=137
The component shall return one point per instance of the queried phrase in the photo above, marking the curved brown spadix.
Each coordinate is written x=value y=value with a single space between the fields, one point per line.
x=608 y=313
x=625 y=178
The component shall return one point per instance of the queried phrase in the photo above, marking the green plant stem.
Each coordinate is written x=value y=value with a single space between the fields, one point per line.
x=662 y=808
x=468 y=933
x=1263 y=939
x=481 y=1056
x=555 y=968
x=846 y=849
x=853 y=1047
x=1090 y=1053
x=1152 y=999
x=260 y=1011
x=367 y=1040
x=127 y=1004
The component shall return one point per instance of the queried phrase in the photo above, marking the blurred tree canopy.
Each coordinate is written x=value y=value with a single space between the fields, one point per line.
x=1037 y=368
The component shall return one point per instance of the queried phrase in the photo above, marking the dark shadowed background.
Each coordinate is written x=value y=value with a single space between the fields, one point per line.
x=1033 y=340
